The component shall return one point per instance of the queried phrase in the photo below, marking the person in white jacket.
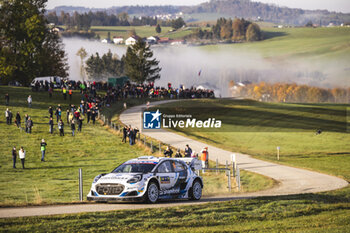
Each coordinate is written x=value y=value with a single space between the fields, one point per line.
x=22 y=155
x=29 y=100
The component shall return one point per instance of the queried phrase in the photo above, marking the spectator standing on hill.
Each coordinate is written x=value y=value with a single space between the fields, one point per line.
x=64 y=92
x=136 y=130
x=10 y=116
x=18 y=120
x=43 y=149
x=29 y=100
x=7 y=115
x=131 y=136
x=67 y=116
x=72 y=126
x=51 y=111
x=14 y=156
x=93 y=116
x=70 y=93
x=7 y=99
x=80 y=123
x=51 y=125
x=178 y=154
x=168 y=152
x=204 y=157
x=25 y=122
x=188 y=151
x=22 y=155
x=125 y=133
x=61 y=127
x=29 y=125
x=88 y=113
x=50 y=92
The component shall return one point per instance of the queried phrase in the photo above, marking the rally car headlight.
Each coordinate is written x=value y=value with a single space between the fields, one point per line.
x=135 y=179
x=97 y=178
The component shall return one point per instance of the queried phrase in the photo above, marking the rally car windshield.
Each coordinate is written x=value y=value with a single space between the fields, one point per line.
x=134 y=168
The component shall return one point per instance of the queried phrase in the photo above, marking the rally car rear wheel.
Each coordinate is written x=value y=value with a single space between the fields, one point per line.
x=152 y=193
x=196 y=191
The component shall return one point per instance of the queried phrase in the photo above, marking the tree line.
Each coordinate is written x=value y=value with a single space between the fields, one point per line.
x=228 y=29
x=283 y=92
x=84 y=21
x=28 y=48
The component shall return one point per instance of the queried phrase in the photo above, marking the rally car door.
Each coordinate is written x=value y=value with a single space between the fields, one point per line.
x=166 y=175
x=180 y=174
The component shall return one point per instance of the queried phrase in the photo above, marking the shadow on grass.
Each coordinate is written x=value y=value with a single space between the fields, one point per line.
x=269 y=35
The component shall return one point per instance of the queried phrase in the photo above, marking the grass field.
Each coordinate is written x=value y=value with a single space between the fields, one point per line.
x=257 y=128
x=142 y=31
x=56 y=180
x=322 y=212
x=306 y=43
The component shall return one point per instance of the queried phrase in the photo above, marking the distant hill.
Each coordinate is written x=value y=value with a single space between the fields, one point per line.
x=233 y=8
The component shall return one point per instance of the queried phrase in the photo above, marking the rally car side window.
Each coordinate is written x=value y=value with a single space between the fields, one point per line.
x=179 y=166
x=165 y=167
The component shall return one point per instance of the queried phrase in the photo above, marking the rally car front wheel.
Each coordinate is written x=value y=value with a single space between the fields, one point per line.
x=196 y=191
x=152 y=193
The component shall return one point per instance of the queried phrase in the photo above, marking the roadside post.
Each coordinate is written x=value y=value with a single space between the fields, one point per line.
x=238 y=179
x=278 y=153
x=217 y=165
x=229 y=180
x=144 y=140
x=151 y=146
x=234 y=164
x=80 y=184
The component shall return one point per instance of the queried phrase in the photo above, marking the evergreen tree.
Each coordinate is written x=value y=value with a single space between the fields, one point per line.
x=158 y=29
x=139 y=65
x=27 y=46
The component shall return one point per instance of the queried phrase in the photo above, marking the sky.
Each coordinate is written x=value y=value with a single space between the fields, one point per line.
x=331 y=5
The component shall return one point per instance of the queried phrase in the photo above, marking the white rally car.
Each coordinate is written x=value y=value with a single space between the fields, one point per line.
x=149 y=179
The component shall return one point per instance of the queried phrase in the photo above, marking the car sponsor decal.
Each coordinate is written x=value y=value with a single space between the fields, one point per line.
x=164 y=179
x=169 y=191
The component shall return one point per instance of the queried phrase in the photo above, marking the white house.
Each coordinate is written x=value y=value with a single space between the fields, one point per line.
x=131 y=40
x=118 y=40
x=152 y=40
x=106 y=40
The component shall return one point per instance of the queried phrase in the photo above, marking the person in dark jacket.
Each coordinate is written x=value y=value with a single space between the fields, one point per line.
x=10 y=117
x=25 y=122
x=61 y=127
x=72 y=126
x=80 y=123
x=178 y=154
x=93 y=116
x=88 y=113
x=18 y=120
x=125 y=133
x=51 y=111
x=14 y=156
x=168 y=152
x=136 y=130
x=188 y=151
x=7 y=99
x=51 y=125
x=29 y=125
x=131 y=136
